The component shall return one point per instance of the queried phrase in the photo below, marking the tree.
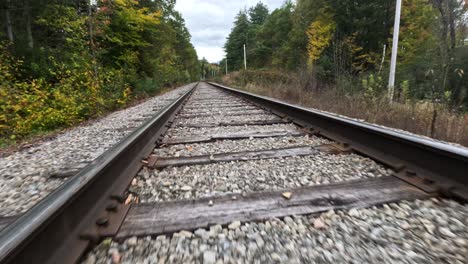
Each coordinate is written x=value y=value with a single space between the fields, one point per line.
x=258 y=14
x=69 y=60
x=236 y=40
x=204 y=68
x=8 y=22
x=269 y=49
x=320 y=34
x=345 y=41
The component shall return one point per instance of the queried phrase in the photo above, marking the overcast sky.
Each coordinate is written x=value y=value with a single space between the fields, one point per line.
x=210 y=21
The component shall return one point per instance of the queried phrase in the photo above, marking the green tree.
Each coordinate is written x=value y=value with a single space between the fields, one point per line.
x=258 y=14
x=272 y=38
x=236 y=40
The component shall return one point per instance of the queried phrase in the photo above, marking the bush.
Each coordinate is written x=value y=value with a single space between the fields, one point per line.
x=32 y=106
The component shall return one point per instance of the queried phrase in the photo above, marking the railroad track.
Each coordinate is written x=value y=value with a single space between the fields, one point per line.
x=218 y=157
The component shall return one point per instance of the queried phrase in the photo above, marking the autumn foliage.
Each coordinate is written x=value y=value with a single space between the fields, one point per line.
x=68 y=61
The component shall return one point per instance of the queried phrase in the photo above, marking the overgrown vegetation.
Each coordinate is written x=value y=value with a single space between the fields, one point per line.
x=339 y=52
x=62 y=62
x=416 y=117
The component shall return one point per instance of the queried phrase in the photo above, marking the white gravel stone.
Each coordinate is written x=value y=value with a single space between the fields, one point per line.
x=234 y=225
x=26 y=174
x=209 y=257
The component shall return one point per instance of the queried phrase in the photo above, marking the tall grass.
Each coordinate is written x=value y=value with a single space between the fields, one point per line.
x=413 y=116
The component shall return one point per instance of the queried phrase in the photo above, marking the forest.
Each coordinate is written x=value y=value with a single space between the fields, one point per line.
x=66 y=61
x=337 y=40
x=336 y=54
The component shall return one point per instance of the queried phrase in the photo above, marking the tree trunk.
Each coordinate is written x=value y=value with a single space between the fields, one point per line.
x=27 y=14
x=445 y=49
x=433 y=121
x=91 y=37
x=9 y=24
x=451 y=18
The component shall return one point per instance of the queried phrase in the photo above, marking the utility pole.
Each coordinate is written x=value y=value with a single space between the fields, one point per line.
x=226 y=66
x=245 y=59
x=396 y=31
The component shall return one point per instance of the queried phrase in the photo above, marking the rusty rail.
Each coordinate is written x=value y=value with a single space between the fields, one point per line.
x=430 y=165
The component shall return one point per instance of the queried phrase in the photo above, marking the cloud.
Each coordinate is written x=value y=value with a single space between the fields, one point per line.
x=210 y=22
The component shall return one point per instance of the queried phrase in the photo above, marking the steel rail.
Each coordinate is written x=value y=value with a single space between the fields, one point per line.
x=88 y=206
x=430 y=165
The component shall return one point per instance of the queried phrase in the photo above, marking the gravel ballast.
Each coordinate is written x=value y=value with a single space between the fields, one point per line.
x=430 y=231
x=27 y=175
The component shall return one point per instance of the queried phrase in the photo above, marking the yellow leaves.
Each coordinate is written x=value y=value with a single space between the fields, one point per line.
x=139 y=18
x=32 y=106
x=126 y=96
x=320 y=34
x=121 y=2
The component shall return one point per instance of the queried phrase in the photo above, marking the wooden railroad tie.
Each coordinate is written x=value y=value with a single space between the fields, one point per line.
x=230 y=136
x=169 y=217
x=155 y=162
x=243 y=123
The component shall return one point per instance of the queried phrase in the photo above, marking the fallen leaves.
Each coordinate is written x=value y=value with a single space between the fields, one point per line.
x=132 y=199
x=287 y=195
x=319 y=224
x=116 y=257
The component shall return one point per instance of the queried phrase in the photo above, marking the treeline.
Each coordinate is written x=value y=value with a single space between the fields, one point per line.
x=63 y=61
x=347 y=45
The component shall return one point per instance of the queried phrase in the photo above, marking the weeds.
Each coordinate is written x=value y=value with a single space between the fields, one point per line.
x=368 y=104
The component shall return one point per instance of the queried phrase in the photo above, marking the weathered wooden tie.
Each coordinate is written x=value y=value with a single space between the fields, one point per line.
x=214 y=107
x=219 y=110
x=234 y=123
x=231 y=136
x=226 y=114
x=169 y=217
x=215 y=101
x=160 y=163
